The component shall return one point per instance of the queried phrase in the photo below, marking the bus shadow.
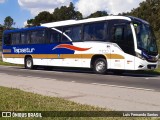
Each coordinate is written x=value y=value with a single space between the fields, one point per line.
x=139 y=75
x=66 y=69
x=90 y=71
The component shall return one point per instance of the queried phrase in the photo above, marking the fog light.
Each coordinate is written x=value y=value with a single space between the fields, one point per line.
x=141 y=66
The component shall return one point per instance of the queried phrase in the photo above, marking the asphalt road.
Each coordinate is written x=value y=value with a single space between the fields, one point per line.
x=86 y=76
x=117 y=92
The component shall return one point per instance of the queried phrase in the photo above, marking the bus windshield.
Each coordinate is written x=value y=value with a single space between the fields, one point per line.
x=146 y=40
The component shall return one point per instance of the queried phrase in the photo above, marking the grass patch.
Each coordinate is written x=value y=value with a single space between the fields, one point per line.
x=17 y=100
x=151 y=72
x=8 y=64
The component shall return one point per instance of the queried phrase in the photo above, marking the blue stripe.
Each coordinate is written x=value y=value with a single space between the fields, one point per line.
x=39 y=49
x=23 y=29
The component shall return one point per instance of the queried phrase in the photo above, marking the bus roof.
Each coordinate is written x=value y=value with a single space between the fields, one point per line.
x=72 y=22
x=23 y=29
x=138 y=19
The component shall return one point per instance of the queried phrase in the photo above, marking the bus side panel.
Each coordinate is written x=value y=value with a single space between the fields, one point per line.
x=14 y=60
x=129 y=62
x=117 y=57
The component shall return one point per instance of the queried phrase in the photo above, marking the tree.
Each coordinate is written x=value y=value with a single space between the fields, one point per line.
x=59 y=14
x=67 y=13
x=8 y=22
x=1 y=32
x=98 y=14
x=42 y=17
x=30 y=23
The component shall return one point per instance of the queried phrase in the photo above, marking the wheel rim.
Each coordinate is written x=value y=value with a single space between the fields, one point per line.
x=29 y=63
x=100 y=66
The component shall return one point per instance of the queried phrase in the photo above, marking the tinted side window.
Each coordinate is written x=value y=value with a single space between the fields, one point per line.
x=73 y=32
x=118 y=34
x=122 y=35
x=15 y=38
x=94 y=31
x=38 y=37
x=7 y=39
x=25 y=38
x=53 y=36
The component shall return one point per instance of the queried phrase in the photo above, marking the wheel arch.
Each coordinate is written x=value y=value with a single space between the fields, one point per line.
x=95 y=57
x=27 y=56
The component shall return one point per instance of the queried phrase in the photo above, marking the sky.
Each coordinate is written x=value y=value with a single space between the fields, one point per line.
x=22 y=10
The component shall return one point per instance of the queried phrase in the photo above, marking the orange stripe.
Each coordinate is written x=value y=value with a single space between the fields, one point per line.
x=13 y=55
x=45 y=56
x=6 y=50
x=115 y=56
x=62 y=56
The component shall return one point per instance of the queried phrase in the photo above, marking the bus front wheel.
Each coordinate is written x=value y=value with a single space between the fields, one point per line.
x=28 y=63
x=100 y=66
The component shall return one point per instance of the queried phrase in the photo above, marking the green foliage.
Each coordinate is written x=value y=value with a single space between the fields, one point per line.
x=1 y=32
x=98 y=14
x=8 y=22
x=42 y=17
x=66 y=13
x=59 y=14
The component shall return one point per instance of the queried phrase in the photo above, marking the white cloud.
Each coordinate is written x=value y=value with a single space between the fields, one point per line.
x=36 y=6
x=25 y=23
x=2 y=1
x=86 y=7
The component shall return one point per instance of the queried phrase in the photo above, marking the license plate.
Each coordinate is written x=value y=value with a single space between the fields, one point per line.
x=152 y=68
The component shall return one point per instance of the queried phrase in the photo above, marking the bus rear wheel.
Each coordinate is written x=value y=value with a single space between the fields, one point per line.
x=28 y=63
x=100 y=66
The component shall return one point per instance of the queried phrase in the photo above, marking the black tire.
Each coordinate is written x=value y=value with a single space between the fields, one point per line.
x=29 y=63
x=100 y=66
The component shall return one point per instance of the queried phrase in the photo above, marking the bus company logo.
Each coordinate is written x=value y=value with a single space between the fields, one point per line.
x=6 y=114
x=23 y=50
x=71 y=47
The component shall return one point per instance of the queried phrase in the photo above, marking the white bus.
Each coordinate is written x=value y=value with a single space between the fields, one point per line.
x=105 y=43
